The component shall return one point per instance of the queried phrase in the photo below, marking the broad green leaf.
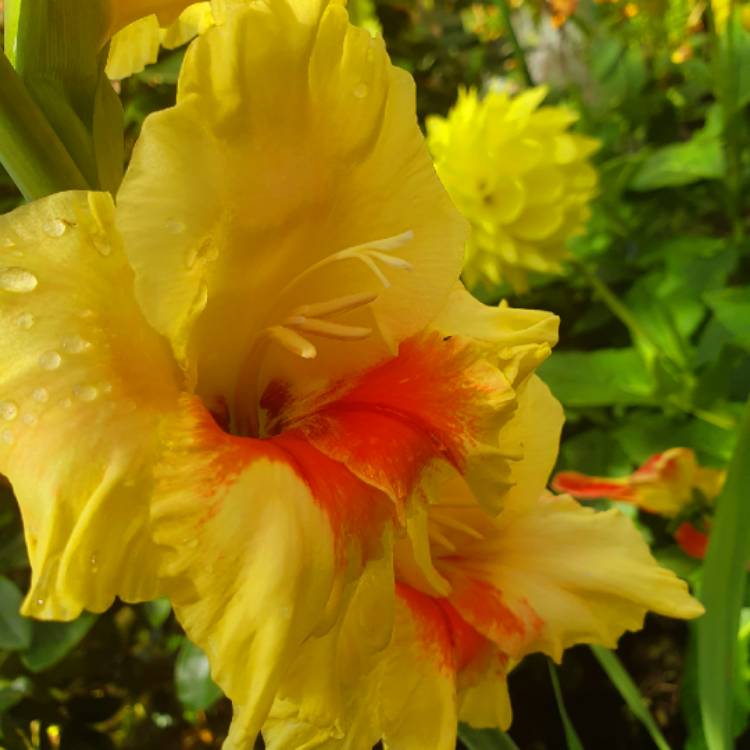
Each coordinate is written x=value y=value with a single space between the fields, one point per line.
x=196 y=690
x=571 y=736
x=732 y=309
x=485 y=739
x=602 y=378
x=722 y=593
x=629 y=691
x=14 y=691
x=15 y=630
x=700 y=158
x=53 y=641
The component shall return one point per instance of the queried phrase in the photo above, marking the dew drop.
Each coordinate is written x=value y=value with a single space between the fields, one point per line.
x=29 y=419
x=360 y=90
x=94 y=562
x=8 y=242
x=175 y=226
x=25 y=321
x=75 y=344
x=17 y=280
x=50 y=360
x=40 y=395
x=86 y=393
x=8 y=410
x=7 y=437
x=55 y=228
x=40 y=602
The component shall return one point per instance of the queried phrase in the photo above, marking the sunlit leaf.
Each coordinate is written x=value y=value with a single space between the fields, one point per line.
x=601 y=378
x=196 y=690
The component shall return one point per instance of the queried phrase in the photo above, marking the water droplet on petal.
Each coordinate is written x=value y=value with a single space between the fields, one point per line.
x=25 y=321
x=8 y=242
x=7 y=437
x=55 y=228
x=8 y=410
x=360 y=90
x=40 y=395
x=94 y=562
x=50 y=360
x=40 y=602
x=29 y=419
x=17 y=280
x=75 y=344
x=86 y=392
x=175 y=226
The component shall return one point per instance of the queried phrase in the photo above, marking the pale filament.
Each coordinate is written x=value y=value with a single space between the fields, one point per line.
x=308 y=318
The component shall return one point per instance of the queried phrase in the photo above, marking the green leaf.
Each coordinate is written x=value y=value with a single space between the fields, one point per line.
x=53 y=641
x=15 y=630
x=571 y=736
x=602 y=378
x=157 y=612
x=629 y=692
x=14 y=691
x=195 y=688
x=732 y=309
x=485 y=739
x=700 y=158
x=722 y=593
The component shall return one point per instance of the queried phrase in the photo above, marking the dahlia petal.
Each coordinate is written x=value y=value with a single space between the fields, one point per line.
x=264 y=539
x=84 y=386
x=265 y=93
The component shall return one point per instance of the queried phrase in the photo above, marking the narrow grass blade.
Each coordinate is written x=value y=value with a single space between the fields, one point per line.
x=722 y=593
x=485 y=739
x=571 y=736
x=620 y=678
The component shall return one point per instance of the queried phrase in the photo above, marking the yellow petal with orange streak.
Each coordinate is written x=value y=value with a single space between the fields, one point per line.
x=589 y=576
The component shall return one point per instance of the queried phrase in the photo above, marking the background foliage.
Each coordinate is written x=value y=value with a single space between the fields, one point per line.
x=655 y=353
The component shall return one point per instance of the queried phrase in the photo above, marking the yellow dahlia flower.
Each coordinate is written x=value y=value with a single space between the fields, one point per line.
x=232 y=389
x=475 y=595
x=137 y=45
x=521 y=179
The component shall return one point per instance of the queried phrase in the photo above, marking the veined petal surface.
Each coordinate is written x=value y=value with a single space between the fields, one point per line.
x=83 y=386
x=313 y=218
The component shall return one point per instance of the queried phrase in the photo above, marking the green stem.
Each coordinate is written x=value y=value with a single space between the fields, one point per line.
x=610 y=299
x=726 y=85
x=518 y=52
x=30 y=150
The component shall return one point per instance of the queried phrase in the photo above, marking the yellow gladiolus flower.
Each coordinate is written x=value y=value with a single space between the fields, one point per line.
x=475 y=595
x=521 y=179
x=235 y=388
x=137 y=45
